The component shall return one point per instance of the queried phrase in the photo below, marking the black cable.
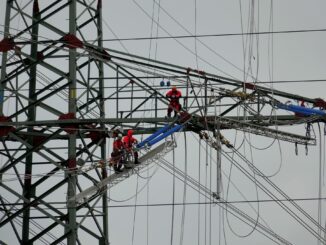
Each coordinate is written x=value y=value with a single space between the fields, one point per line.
x=196 y=36
x=244 y=217
x=184 y=192
x=272 y=195
x=213 y=35
x=134 y=219
x=179 y=86
x=280 y=191
x=199 y=192
x=319 y=214
x=187 y=203
x=173 y=198
x=183 y=45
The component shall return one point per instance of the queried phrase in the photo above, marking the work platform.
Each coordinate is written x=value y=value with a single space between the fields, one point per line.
x=115 y=178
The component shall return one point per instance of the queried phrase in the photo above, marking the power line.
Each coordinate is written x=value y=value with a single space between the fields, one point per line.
x=293 y=81
x=213 y=35
x=189 y=203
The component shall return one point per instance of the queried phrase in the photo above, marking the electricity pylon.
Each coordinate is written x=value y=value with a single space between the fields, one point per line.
x=40 y=65
x=58 y=108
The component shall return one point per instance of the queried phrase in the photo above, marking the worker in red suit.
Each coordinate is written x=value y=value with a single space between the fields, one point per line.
x=128 y=142
x=117 y=153
x=174 y=95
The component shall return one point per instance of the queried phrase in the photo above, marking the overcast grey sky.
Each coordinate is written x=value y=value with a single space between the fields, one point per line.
x=278 y=57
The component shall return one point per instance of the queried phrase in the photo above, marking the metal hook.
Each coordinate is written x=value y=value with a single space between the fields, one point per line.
x=308 y=130
x=296 y=148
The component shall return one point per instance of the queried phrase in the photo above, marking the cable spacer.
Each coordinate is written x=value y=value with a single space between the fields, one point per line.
x=249 y=85
x=7 y=44
x=72 y=164
x=184 y=116
x=201 y=73
x=68 y=128
x=72 y=41
x=5 y=130
x=320 y=103
x=96 y=134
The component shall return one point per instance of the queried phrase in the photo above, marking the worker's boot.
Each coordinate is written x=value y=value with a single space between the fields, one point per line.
x=136 y=157
x=117 y=170
x=136 y=160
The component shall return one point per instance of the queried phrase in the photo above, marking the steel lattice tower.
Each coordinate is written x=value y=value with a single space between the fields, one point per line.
x=57 y=106
x=30 y=62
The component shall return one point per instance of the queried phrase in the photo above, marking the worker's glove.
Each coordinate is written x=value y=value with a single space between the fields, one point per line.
x=134 y=147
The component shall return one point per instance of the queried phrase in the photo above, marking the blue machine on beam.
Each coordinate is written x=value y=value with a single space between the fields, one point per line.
x=159 y=135
x=301 y=109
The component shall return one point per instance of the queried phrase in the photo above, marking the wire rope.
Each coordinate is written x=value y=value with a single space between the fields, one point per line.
x=206 y=176
x=173 y=198
x=278 y=170
x=201 y=42
x=268 y=192
x=184 y=46
x=135 y=210
x=149 y=56
x=190 y=36
x=230 y=181
x=199 y=191
x=226 y=213
x=271 y=194
x=320 y=184
x=210 y=199
x=179 y=204
x=234 y=209
x=133 y=196
x=183 y=215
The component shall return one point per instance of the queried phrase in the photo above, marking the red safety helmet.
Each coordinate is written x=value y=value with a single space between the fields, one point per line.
x=130 y=132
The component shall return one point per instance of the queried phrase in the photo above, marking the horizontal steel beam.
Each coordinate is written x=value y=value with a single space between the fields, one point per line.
x=265 y=120
x=265 y=131
x=251 y=124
